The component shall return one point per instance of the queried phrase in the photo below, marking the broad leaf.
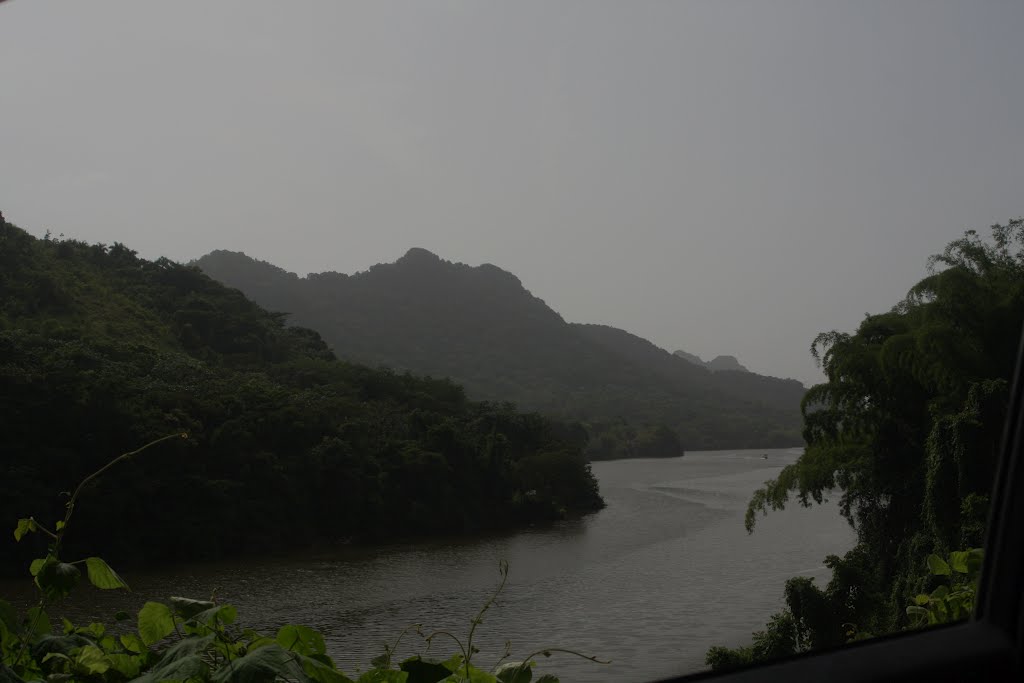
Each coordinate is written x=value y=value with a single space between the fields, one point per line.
x=222 y=614
x=126 y=665
x=56 y=657
x=102 y=576
x=515 y=672
x=36 y=565
x=155 y=622
x=937 y=565
x=58 y=644
x=258 y=642
x=322 y=672
x=56 y=579
x=186 y=647
x=187 y=608
x=424 y=671
x=184 y=669
x=25 y=526
x=91 y=660
x=95 y=629
x=261 y=666
x=301 y=639
x=133 y=643
x=453 y=663
x=958 y=561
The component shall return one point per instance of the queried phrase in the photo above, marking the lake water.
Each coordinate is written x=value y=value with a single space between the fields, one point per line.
x=650 y=582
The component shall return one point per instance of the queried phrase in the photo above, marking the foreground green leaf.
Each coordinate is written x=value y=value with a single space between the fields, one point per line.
x=218 y=614
x=321 y=671
x=65 y=645
x=938 y=566
x=91 y=660
x=102 y=576
x=133 y=643
x=155 y=622
x=301 y=639
x=128 y=666
x=425 y=671
x=186 y=647
x=186 y=608
x=260 y=666
x=56 y=579
x=515 y=672
x=24 y=527
x=191 y=668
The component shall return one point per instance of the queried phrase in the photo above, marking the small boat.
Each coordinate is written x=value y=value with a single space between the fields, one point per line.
x=765 y=456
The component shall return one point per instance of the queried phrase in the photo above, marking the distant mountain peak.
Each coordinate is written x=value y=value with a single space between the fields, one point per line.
x=726 y=363
x=481 y=327
x=717 y=363
x=419 y=255
x=696 y=360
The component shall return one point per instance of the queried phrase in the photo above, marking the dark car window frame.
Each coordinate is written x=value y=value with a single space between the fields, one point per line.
x=987 y=648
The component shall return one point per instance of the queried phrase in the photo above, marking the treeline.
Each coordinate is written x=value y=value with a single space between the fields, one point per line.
x=101 y=351
x=620 y=439
x=908 y=427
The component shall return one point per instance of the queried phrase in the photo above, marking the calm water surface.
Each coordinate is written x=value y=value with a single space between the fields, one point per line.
x=651 y=582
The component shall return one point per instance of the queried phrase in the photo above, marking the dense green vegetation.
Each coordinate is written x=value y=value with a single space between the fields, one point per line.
x=620 y=439
x=198 y=640
x=480 y=327
x=907 y=428
x=953 y=584
x=100 y=350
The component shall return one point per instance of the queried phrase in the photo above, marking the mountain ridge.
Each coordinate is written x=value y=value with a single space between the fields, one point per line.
x=481 y=327
x=716 y=364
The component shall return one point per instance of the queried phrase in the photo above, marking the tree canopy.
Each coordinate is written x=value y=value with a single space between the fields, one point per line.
x=102 y=350
x=906 y=431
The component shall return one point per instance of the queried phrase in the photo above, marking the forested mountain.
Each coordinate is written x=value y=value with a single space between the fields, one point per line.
x=482 y=328
x=103 y=351
x=716 y=363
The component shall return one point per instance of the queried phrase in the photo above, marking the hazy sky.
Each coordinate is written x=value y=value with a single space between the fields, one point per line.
x=723 y=177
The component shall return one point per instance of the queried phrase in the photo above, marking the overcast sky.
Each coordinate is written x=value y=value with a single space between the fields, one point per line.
x=722 y=177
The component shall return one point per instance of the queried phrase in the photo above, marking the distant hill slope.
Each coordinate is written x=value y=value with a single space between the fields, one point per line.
x=103 y=351
x=717 y=363
x=482 y=328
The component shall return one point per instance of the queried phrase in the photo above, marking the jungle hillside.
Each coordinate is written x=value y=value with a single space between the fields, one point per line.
x=288 y=446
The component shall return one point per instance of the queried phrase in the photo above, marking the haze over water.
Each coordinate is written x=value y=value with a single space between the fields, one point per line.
x=651 y=582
